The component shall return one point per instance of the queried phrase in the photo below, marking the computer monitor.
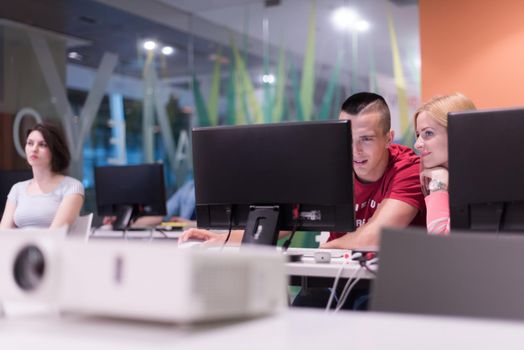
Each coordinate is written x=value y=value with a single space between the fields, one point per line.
x=486 y=170
x=7 y=179
x=266 y=178
x=130 y=191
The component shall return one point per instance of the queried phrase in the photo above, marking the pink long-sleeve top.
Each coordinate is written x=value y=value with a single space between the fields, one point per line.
x=437 y=206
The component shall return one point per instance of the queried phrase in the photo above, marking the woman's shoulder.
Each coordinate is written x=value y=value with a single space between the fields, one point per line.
x=71 y=185
x=20 y=185
x=18 y=189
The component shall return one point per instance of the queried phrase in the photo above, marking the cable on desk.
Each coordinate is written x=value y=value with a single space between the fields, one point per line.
x=347 y=289
x=229 y=212
x=366 y=266
x=162 y=232
x=334 y=288
x=296 y=217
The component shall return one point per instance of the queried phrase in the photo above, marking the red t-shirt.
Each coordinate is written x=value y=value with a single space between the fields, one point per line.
x=400 y=181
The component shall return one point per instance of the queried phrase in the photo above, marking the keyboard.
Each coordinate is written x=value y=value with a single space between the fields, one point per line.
x=138 y=234
x=310 y=252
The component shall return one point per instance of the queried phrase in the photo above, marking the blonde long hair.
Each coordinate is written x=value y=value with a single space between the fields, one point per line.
x=439 y=106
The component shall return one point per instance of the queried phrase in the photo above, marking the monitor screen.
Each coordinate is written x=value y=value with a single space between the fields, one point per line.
x=7 y=179
x=130 y=191
x=302 y=172
x=486 y=170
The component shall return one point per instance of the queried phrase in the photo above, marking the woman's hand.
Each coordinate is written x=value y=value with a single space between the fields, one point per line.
x=440 y=174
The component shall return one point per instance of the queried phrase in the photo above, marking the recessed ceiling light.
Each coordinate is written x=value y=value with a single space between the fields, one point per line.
x=362 y=25
x=168 y=50
x=149 y=45
x=344 y=18
x=75 y=56
x=268 y=78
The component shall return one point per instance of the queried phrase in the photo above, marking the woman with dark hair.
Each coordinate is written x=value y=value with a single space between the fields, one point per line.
x=50 y=199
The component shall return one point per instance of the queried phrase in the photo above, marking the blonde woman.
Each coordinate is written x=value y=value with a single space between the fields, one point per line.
x=431 y=126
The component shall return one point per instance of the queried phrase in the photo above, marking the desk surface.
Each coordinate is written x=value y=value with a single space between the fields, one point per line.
x=309 y=268
x=293 y=329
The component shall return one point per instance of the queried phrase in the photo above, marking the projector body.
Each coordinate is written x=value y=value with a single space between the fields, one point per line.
x=30 y=265
x=147 y=281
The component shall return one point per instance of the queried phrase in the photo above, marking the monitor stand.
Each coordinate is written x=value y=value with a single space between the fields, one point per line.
x=262 y=225
x=124 y=214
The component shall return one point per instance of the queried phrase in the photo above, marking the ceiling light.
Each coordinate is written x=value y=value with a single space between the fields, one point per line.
x=168 y=50
x=344 y=18
x=268 y=78
x=75 y=56
x=149 y=45
x=362 y=25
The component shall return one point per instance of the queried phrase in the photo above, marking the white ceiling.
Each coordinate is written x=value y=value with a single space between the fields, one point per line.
x=288 y=25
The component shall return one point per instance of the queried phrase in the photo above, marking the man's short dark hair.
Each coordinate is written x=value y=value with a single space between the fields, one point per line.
x=368 y=102
x=55 y=140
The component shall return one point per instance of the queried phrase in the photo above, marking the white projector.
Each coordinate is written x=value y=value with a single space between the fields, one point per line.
x=29 y=265
x=148 y=281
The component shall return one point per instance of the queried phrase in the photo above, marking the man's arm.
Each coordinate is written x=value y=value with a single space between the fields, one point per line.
x=218 y=238
x=147 y=221
x=390 y=213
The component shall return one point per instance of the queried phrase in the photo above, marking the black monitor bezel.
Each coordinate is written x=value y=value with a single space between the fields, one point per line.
x=216 y=215
x=485 y=195
x=115 y=184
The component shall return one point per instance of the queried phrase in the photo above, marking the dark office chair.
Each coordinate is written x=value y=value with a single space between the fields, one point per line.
x=459 y=275
x=7 y=179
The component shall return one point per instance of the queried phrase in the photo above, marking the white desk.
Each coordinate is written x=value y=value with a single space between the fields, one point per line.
x=309 y=268
x=308 y=273
x=294 y=329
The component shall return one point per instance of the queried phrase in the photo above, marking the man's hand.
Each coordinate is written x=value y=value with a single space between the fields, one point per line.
x=353 y=240
x=179 y=219
x=108 y=220
x=210 y=238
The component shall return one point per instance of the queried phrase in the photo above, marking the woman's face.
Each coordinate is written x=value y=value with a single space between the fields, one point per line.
x=432 y=142
x=37 y=151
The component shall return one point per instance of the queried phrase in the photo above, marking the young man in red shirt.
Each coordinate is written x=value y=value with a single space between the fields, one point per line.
x=386 y=175
x=386 y=187
x=386 y=178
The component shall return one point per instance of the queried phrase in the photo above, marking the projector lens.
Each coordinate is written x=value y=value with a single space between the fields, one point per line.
x=29 y=268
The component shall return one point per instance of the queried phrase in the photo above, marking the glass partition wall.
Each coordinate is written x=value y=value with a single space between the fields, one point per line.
x=128 y=80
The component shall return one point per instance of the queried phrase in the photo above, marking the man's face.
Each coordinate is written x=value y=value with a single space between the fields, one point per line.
x=370 y=144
